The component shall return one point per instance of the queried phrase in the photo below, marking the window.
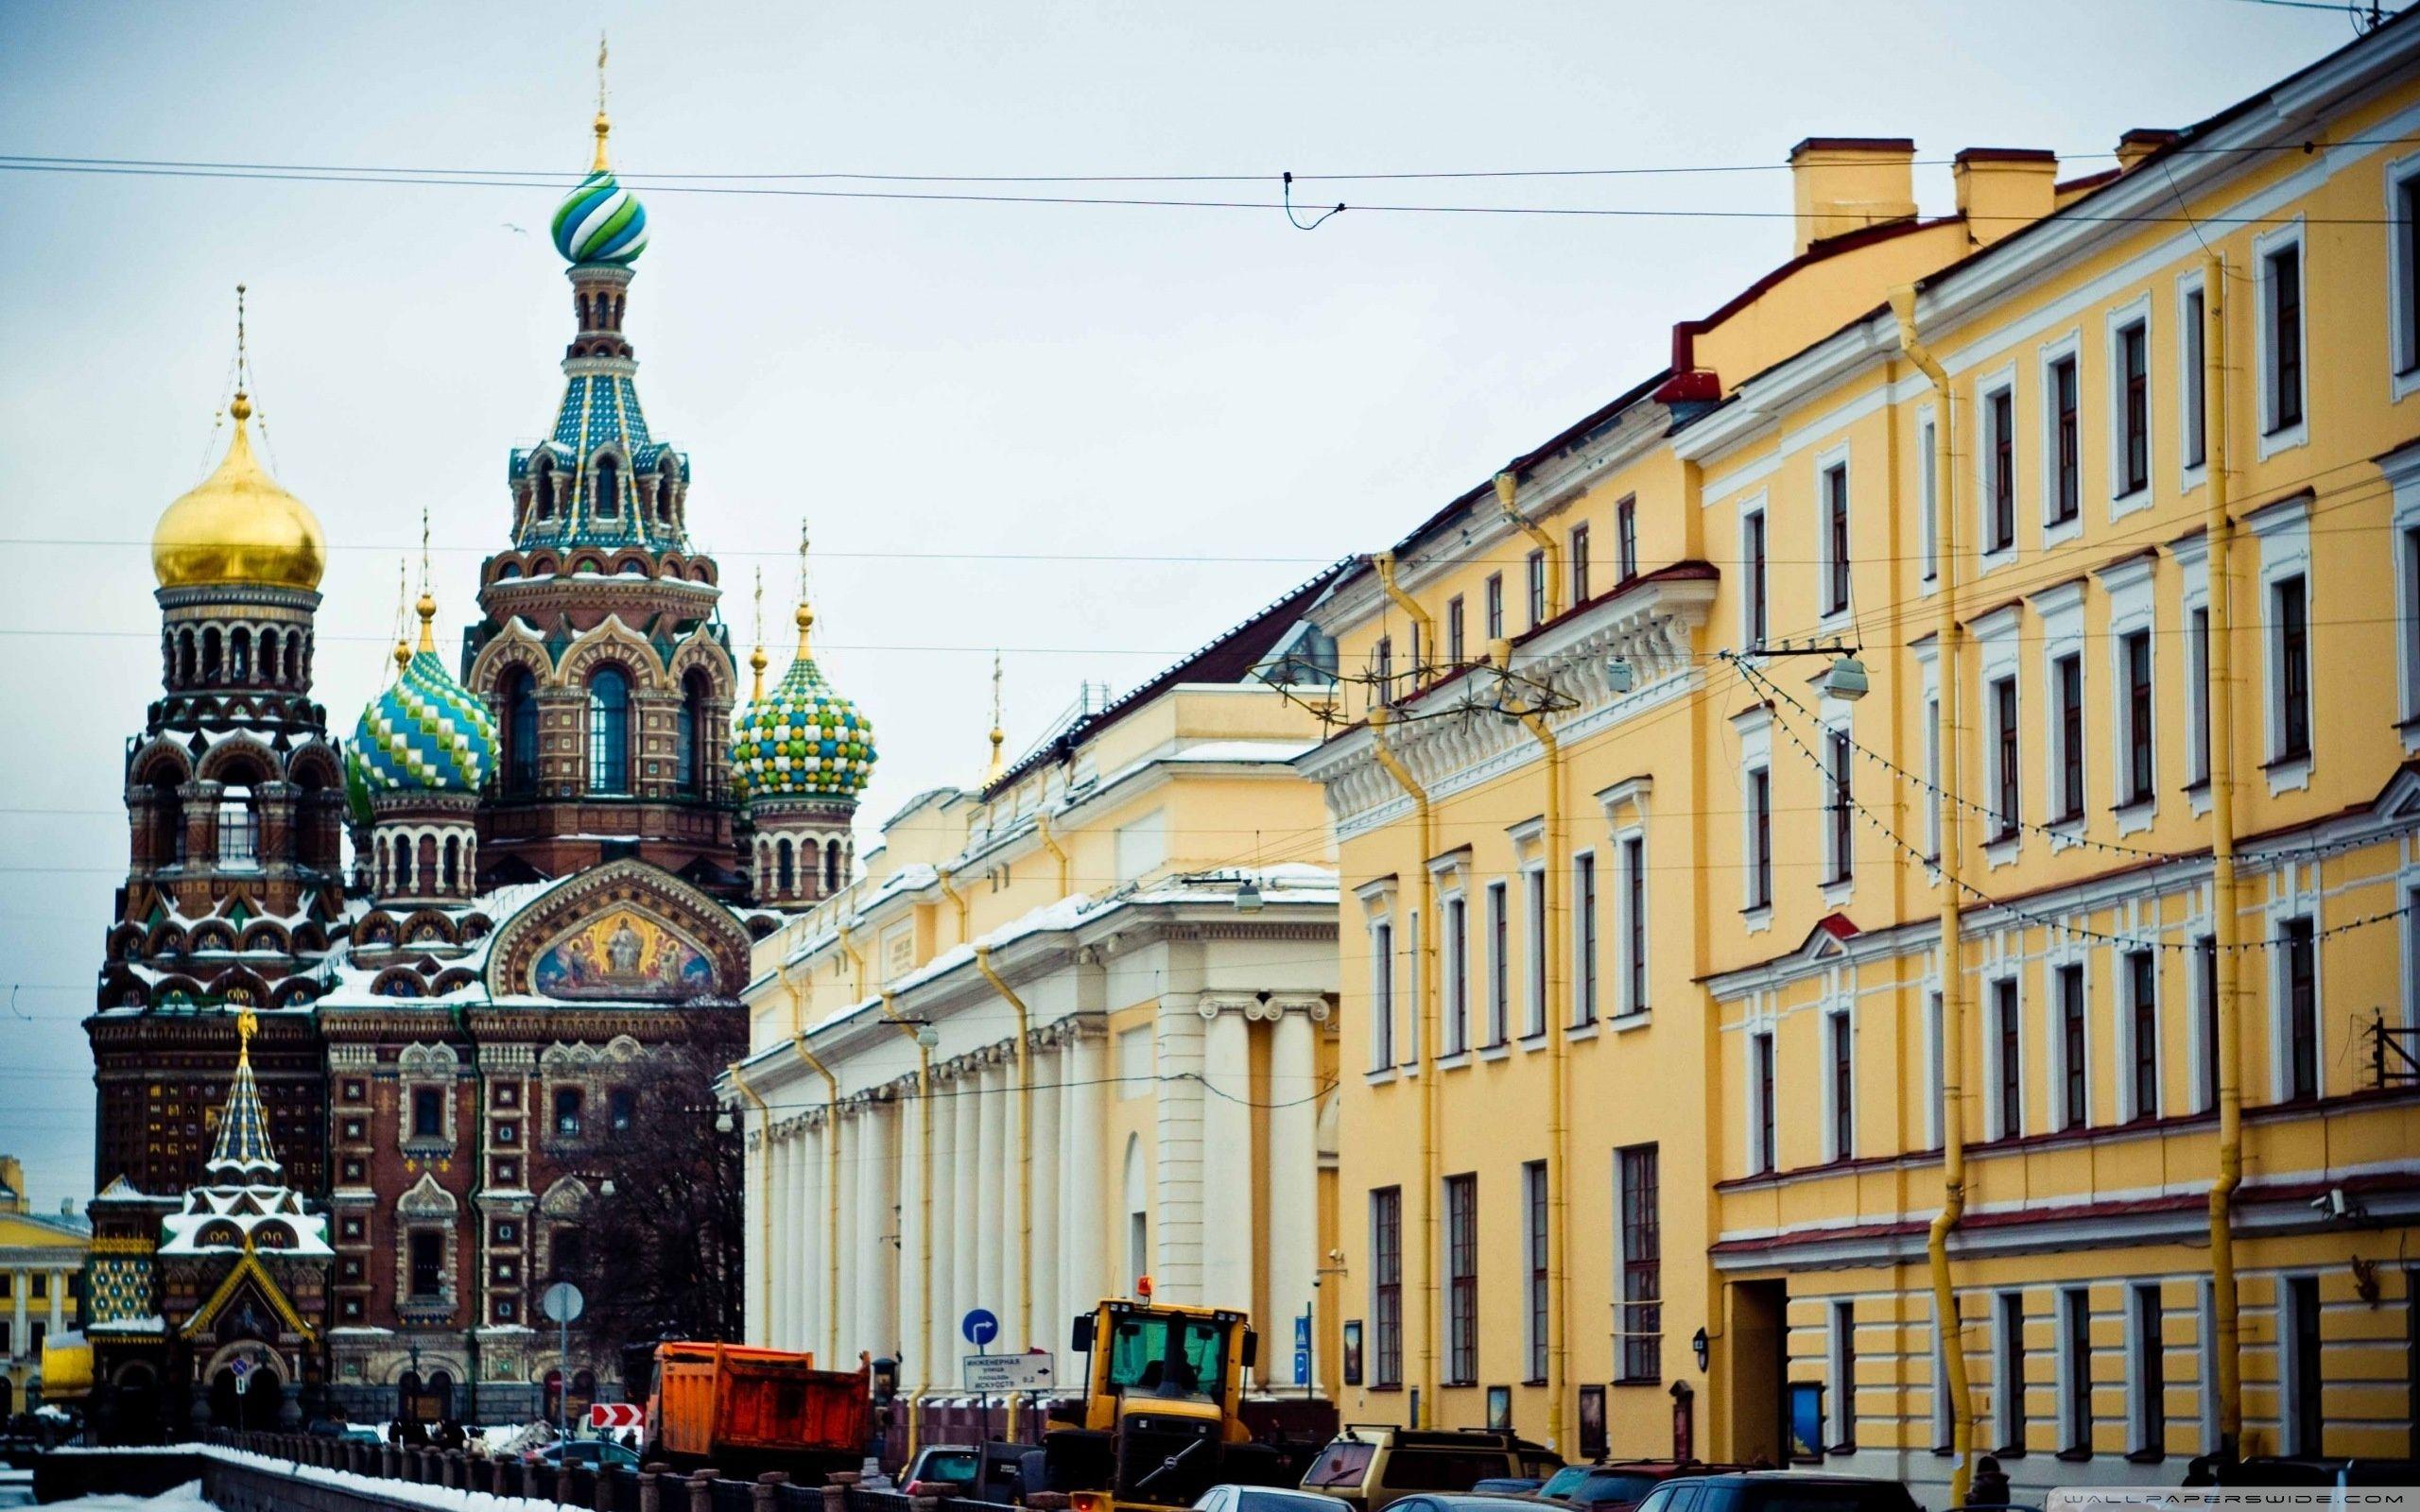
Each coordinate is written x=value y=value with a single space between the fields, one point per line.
x=1499 y=968
x=1642 y=1309
x=2142 y=1021
x=570 y=1251
x=2008 y=1370
x=1382 y=667
x=1458 y=977
x=1836 y=539
x=1626 y=538
x=1535 y=1193
x=2282 y=324
x=2300 y=967
x=1841 y=807
x=2206 y=1002
x=1635 y=924
x=1761 y=1145
x=568 y=1105
x=1454 y=645
x=2196 y=401
x=2290 y=615
x=2065 y=444
x=1928 y=478
x=2066 y=692
x=1760 y=838
x=2075 y=1373
x=1534 y=902
x=2147 y=1371
x=2300 y=1370
x=428 y=1114
x=520 y=732
x=609 y=730
x=1537 y=567
x=2134 y=657
x=621 y=1110
x=1496 y=606
x=1752 y=553
x=689 y=764
x=1999 y=477
x=2008 y=1102
x=2197 y=646
x=427 y=1263
x=1382 y=995
x=1936 y=1100
x=1843 y=1428
x=2133 y=409
x=1386 y=1285
x=1462 y=1280
x=1584 y=918
x=1839 y=1050
x=1579 y=564
x=607 y=501
x=2075 y=1106
x=2004 y=769
x=2403 y=236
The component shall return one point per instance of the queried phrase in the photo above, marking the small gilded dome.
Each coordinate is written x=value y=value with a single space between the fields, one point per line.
x=802 y=739
x=601 y=222
x=425 y=732
x=238 y=528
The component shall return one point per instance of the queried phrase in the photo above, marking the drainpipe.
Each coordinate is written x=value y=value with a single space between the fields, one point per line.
x=958 y=901
x=1947 y=1326
x=1422 y=626
x=1558 y=1010
x=1050 y=843
x=1024 y=1159
x=2226 y=927
x=1426 y=1027
x=765 y=1185
x=831 y=1167
x=857 y=962
x=924 y=1226
x=1506 y=487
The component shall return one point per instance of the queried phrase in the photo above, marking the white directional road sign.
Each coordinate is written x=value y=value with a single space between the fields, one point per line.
x=996 y=1373
x=616 y=1414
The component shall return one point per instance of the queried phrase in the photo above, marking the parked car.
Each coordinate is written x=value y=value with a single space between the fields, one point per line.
x=1508 y=1485
x=1372 y=1467
x=1266 y=1499
x=1777 y=1491
x=942 y=1469
x=2277 y=1470
x=593 y=1452
x=1462 y=1501
x=1613 y=1485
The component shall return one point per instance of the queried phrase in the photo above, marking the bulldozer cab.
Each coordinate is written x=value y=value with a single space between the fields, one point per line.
x=1162 y=1386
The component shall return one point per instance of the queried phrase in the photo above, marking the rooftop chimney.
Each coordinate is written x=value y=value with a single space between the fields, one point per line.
x=2141 y=143
x=1843 y=183
x=2004 y=189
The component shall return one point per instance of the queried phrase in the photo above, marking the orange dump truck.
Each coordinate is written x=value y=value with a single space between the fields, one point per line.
x=746 y=1411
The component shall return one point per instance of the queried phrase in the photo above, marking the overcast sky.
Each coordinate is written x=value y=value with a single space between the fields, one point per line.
x=1215 y=400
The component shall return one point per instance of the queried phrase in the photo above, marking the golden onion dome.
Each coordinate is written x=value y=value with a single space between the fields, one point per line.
x=238 y=528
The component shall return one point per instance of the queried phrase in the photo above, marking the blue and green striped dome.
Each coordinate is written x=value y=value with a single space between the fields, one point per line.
x=601 y=222
x=425 y=732
x=801 y=740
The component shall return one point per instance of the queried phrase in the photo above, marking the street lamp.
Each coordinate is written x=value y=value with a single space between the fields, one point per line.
x=1700 y=1346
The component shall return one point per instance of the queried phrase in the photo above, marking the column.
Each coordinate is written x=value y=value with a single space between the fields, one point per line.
x=805 y=1251
x=753 y=1196
x=878 y=1325
x=851 y=1129
x=815 y=1310
x=1176 y=1195
x=942 y=1326
x=1226 y=1158
x=1084 y=1244
x=1016 y=1188
x=1041 y=1101
x=1293 y=1187
x=992 y=1238
x=967 y=1221
x=775 y=1168
x=57 y=1303
x=913 y=1334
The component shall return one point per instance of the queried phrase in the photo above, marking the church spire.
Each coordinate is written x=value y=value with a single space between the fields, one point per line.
x=242 y=1156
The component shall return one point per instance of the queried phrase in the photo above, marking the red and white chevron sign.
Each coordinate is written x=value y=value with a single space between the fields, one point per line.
x=616 y=1414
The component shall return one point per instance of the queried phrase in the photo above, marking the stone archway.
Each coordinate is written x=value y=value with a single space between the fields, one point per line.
x=249 y=1398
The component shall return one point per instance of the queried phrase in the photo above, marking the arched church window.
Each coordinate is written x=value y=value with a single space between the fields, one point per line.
x=453 y=862
x=239 y=656
x=785 y=867
x=667 y=480
x=167 y=824
x=403 y=864
x=608 y=502
x=427 y=863
x=541 y=489
x=184 y=658
x=520 y=732
x=211 y=655
x=294 y=660
x=689 y=759
x=832 y=866
x=609 y=730
x=270 y=649
x=239 y=827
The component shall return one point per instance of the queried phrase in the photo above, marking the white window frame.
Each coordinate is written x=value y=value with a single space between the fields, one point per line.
x=1537 y=943
x=2067 y=1301
x=2066 y=953
x=2122 y=501
x=2402 y=471
x=2271 y=441
x=2060 y=611
x=2121 y=997
x=2399 y=277
x=1999 y=1122
x=2004 y=380
x=2193 y=572
x=1453 y=969
x=1751 y=731
x=1995 y=643
x=2206 y=1370
x=2282 y=533
x=1828 y=618
x=1837 y=888
x=2288 y=1371
x=1415 y=984
x=1934 y=1130
x=2297 y=902
x=1583 y=990
x=1498 y=921
x=2145 y=1333
x=1754 y=507
x=1928 y=667
x=1839 y=1367
x=2203 y=1058
x=1928 y=484
x=1382 y=970
x=1752 y=1132
x=2008 y=1347
x=2132 y=607
x=2066 y=348
x=1623 y=1007
x=2191 y=391
x=1838 y=1019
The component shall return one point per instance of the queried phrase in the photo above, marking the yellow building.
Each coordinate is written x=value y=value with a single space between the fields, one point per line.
x=1063 y=1031
x=1655 y=1073
x=40 y=1258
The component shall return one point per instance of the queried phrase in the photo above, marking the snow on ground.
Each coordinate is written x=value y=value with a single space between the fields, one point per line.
x=185 y=1497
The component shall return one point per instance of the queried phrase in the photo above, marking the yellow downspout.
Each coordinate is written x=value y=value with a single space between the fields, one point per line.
x=1050 y=843
x=924 y=1224
x=1558 y=1010
x=1946 y=1328
x=831 y=1171
x=1424 y=628
x=764 y=1204
x=1427 y=1030
x=1025 y=1159
x=958 y=901
x=2226 y=926
x=1506 y=487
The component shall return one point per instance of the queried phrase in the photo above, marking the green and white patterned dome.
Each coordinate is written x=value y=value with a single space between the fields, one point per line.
x=425 y=732
x=802 y=739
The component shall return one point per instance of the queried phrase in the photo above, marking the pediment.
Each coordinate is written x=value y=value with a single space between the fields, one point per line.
x=624 y=932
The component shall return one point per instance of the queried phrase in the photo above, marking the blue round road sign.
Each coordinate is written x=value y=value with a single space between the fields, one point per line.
x=979 y=1326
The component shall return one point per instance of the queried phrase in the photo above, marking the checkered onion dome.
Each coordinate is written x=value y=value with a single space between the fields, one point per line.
x=425 y=732
x=802 y=739
x=601 y=222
